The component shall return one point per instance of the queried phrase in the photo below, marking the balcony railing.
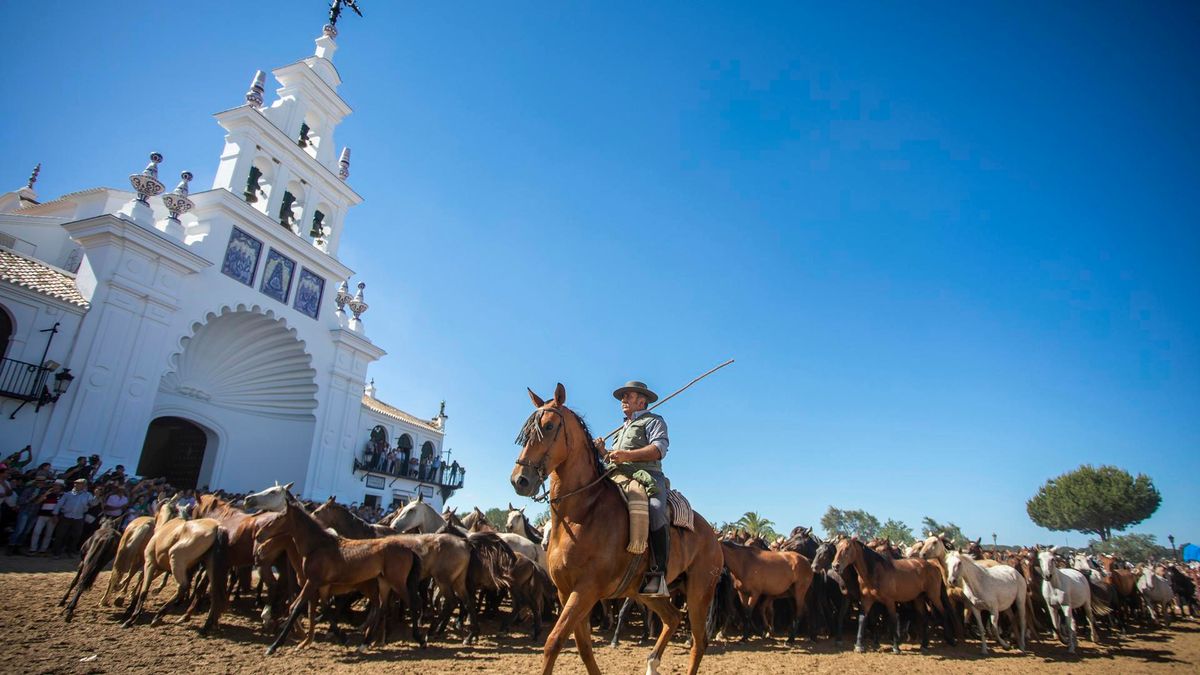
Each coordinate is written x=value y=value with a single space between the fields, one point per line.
x=446 y=476
x=20 y=380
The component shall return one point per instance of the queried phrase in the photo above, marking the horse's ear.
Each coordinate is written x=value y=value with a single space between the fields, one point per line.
x=332 y=499
x=522 y=510
x=560 y=394
x=537 y=400
x=288 y=487
x=510 y=507
x=977 y=540
x=420 y=497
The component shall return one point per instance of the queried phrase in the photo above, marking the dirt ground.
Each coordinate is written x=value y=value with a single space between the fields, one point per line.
x=39 y=641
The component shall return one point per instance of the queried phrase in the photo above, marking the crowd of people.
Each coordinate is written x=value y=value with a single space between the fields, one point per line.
x=405 y=463
x=47 y=512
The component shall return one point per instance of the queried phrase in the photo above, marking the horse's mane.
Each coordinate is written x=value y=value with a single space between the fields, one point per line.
x=210 y=505
x=871 y=558
x=346 y=512
x=531 y=429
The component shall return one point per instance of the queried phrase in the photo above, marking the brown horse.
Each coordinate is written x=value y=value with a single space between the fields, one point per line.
x=344 y=522
x=96 y=553
x=333 y=565
x=761 y=576
x=476 y=521
x=887 y=581
x=586 y=551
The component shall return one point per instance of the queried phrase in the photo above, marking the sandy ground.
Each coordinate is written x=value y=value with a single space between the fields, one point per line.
x=39 y=641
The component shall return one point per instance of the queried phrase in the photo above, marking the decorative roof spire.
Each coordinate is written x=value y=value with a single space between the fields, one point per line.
x=344 y=164
x=34 y=176
x=357 y=306
x=343 y=296
x=255 y=95
x=177 y=202
x=370 y=390
x=146 y=183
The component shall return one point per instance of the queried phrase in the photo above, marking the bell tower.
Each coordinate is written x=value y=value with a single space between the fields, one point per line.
x=281 y=158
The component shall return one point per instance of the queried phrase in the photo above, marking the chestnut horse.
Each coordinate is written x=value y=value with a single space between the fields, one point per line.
x=586 y=552
x=887 y=581
x=761 y=576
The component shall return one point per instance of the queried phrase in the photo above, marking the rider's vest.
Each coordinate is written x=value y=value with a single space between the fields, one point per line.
x=634 y=436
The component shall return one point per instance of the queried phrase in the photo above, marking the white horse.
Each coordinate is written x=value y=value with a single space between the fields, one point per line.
x=425 y=519
x=517 y=523
x=1156 y=590
x=1066 y=589
x=996 y=589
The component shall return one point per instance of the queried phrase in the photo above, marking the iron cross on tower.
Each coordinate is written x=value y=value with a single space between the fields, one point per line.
x=335 y=11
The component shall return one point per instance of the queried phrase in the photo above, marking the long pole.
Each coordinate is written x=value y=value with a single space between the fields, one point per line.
x=673 y=394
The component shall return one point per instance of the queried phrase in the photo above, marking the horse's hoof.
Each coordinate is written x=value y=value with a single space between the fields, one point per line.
x=895 y=650
x=119 y=602
x=859 y=649
x=270 y=651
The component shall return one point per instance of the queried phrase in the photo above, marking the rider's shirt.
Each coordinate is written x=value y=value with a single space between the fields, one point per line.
x=644 y=429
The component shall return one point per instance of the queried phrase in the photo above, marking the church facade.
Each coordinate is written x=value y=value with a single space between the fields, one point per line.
x=212 y=336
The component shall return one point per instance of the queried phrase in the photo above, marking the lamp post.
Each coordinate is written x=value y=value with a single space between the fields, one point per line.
x=1174 y=553
x=993 y=542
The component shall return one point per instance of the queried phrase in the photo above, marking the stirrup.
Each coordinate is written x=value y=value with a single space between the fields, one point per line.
x=655 y=585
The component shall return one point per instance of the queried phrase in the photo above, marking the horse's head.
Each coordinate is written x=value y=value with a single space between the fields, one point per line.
x=954 y=565
x=1047 y=565
x=824 y=556
x=849 y=551
x=272 y=499
x=543 y=441
x=515 y=520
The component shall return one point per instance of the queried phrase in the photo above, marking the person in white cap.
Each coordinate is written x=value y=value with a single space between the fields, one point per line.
x=640 y=446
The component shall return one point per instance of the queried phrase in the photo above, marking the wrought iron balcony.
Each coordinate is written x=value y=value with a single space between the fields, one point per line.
x=447 y=477
x=20 y=380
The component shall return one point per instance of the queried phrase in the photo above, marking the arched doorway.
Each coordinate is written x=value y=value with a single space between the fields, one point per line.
x=6 y=330
x=174 y=449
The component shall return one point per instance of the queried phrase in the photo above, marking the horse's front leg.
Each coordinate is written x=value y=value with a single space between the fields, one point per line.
x=583 y=642
x=864 y=611
x=894 y=615
x=575 y=609
x=979 y=623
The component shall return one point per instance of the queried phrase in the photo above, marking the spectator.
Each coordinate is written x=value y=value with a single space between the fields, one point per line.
x=80 y=470
x=14 y=460
x=44 y=526
x=435 y=470
x=44 y=471
x=116 y=503
x=413 y=465
x=27 y=512
x=8 y=499
x=116 y=474
x=70 y=510
x=369 y=456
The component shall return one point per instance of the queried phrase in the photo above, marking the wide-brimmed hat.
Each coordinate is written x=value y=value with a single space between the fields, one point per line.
x=77 y=481
x=639 y=387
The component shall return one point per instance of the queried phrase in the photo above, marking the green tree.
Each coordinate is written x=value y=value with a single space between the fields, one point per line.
x=948 y=528
x=851 y=521
x=1133 y=547
x=1094 y=501
x=496 y=517
x=540 y=519
x=757 y=526
x=897 y=532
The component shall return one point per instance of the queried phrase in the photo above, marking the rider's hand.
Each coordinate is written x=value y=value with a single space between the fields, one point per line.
x=598 y=442
x=618 y=456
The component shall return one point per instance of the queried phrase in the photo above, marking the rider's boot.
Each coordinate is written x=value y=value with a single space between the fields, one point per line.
x=655 y=584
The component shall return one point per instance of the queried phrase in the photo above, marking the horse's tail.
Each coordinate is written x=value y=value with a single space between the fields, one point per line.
x=218 y=577
x=718 y=611
x=99 y=554
x=1100 y=606
x=496 y=559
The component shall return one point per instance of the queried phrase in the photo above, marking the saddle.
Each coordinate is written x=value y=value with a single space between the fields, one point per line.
x=638 y=504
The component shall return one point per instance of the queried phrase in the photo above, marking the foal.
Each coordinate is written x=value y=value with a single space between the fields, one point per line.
x=761 y=576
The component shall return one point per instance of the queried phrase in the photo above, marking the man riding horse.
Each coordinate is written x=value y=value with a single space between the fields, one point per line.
x=639 y=448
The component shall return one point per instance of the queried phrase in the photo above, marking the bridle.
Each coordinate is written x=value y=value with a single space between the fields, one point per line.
x=534 y=427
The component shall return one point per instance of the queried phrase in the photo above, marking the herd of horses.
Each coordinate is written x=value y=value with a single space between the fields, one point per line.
x=289 y=560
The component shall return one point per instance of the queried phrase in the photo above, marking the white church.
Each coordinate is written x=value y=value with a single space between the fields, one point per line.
x=211 y=337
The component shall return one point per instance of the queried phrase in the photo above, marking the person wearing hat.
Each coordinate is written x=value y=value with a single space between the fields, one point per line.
x=70 y=509
x=641 y=445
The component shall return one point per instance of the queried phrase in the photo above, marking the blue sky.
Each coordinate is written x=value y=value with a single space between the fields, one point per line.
x=951 y=248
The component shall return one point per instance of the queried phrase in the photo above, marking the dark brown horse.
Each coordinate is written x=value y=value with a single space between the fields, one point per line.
x=888 y=582
x=333 y=565
x=333 y=515
x=589 y=534
x=96 y=553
